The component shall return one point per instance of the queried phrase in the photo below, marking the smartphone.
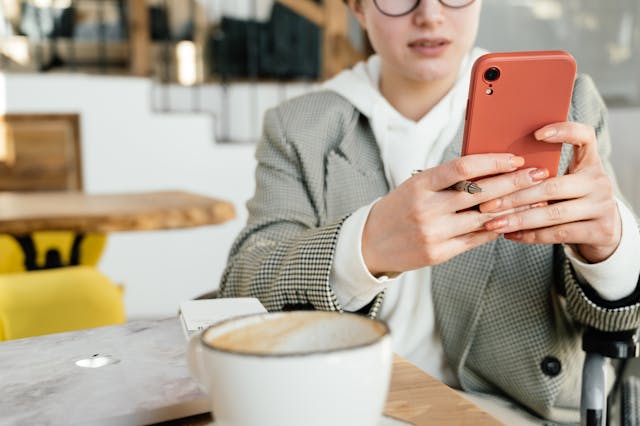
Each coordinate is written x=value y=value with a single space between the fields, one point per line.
x=513 y=94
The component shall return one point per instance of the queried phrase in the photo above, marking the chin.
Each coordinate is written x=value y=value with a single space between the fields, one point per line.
x=427 y=74
x=429 y=70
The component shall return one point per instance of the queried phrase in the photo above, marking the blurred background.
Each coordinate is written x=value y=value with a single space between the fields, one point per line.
x=171 y=94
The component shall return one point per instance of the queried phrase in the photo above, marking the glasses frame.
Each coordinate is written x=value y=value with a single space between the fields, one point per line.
x=415 y=6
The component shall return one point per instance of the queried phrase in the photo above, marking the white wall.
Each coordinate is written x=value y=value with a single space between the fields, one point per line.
x=126 y=147
x=625 y=155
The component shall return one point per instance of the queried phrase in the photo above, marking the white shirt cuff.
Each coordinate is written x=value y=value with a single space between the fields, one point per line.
x=352 y=282
x=617 y=276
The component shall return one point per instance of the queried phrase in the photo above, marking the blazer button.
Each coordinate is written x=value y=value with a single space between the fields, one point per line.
x=551 y=366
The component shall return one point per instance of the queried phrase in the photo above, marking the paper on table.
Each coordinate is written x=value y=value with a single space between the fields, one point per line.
x=196 y=315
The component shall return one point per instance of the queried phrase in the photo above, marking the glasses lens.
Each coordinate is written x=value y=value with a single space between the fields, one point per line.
x=396 y=7
x=456 y=3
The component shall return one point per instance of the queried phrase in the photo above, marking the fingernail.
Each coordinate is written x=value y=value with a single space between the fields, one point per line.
x=539 y=174
x=496 y=224
x=513 y=235
x=490 y=206
x=547 y=133
x=540 y=204
x=517 y=161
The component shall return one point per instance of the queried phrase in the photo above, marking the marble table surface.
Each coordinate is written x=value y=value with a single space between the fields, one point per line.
x=150 y=382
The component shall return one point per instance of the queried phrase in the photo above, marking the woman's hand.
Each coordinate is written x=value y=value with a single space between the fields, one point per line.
x=581 y=208
x=421 y=223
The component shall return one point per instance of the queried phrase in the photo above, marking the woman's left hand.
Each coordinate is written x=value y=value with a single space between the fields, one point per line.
x=576 y=208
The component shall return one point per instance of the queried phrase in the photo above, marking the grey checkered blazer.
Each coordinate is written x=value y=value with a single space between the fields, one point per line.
x=502 y=308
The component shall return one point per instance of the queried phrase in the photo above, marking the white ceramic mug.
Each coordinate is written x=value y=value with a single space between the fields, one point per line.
x=294 y=368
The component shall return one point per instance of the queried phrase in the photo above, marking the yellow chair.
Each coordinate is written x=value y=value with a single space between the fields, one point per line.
x=57 y=300
x=12 y=257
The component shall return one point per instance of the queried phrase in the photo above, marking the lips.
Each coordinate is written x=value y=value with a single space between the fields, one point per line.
x=429 y=42
x=429 y=47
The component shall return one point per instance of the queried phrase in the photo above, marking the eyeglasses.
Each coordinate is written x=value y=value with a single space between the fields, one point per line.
x=403 y=7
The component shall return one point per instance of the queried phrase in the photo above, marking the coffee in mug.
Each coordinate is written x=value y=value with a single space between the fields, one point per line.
x=294 y=368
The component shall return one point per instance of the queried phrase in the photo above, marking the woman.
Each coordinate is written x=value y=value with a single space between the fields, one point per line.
x=489 y=300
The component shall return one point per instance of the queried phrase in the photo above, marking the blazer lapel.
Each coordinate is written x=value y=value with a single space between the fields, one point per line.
x=454 y=149
x=359 y=148
x=354 y=173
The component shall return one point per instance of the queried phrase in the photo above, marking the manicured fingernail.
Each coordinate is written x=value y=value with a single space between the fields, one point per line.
x=539 y=174
x=496 y=224
x=546 y=134
x=513 y=235
x=492 y=205
x=517 y=161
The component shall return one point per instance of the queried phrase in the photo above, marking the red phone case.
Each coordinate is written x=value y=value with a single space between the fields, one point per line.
x=533 y=89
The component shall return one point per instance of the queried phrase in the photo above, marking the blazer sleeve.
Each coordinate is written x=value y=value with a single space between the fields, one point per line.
x=283 y=256
x=583 y=303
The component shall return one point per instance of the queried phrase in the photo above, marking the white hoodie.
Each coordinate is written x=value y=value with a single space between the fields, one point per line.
x=406 y=145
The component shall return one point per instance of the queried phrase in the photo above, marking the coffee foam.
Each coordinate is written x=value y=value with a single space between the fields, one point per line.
x=295 y=333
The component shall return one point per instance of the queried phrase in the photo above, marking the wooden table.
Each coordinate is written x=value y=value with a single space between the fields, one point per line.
x=419 y=399
x=24 y=213
x=414 y=397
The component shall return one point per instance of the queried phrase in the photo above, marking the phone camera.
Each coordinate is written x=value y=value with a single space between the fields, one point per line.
x=492 y=74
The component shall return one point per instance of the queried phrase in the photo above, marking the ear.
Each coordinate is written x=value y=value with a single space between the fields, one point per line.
x=357 y=10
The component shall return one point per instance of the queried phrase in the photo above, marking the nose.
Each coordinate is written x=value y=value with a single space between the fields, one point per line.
x=429 y=13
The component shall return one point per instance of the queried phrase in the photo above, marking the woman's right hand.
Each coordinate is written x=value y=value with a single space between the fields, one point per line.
x=423 y=223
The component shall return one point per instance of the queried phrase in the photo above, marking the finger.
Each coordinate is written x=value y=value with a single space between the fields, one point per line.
x=500 y=186
x=469 y=167
x=558 y=188
x=567 y=132
x=462 y=223
x=581 y=136
x=551 y=215
x=502 y=212
x=462 y=243
x=568 y=233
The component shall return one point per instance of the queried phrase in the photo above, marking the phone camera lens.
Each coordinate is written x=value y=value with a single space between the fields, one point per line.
x=492 y=74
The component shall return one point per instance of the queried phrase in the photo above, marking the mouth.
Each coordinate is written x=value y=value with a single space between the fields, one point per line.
x=429 y=42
